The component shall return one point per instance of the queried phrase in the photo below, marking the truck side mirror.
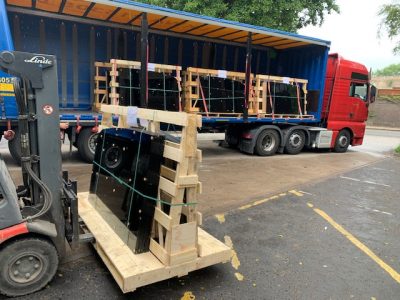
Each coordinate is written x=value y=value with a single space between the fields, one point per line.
x=372 y=94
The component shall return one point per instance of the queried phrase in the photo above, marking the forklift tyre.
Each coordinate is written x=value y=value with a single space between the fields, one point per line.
x=14 y=146
x=87 y=144
x=27 y=265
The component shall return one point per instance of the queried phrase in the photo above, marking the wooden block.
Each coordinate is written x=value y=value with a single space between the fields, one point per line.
x=187 y=180
x=100 y=78
x=183 y=257
x=184 y=237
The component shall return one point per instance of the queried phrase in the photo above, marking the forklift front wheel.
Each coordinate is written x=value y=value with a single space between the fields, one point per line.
x=27 y=265
x=87 y=144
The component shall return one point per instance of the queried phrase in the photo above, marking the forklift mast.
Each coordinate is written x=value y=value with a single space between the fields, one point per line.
x=42 y=135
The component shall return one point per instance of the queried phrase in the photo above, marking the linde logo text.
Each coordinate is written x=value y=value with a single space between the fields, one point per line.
x=39 y=60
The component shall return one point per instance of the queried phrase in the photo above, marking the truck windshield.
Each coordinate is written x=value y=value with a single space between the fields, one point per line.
x=359 y=90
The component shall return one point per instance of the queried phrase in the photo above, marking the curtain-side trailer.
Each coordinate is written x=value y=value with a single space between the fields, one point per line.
x=82 y=32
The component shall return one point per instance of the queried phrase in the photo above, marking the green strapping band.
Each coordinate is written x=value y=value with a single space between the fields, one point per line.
x=119 y=180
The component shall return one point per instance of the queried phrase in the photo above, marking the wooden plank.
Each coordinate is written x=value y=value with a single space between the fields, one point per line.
x=137 y=64
x=280 y=79
x=173 y=153
x=101 y=92
x=170 y=117
x=168 y=186
x=168 y=173
x=163 y=218
x=102 y=64
x=159 y=252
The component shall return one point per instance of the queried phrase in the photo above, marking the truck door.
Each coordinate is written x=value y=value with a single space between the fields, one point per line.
x=358 y=101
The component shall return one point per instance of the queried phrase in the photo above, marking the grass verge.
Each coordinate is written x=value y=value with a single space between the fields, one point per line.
x=397 y=150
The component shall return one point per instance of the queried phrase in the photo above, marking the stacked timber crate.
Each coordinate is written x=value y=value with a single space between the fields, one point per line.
x=209 y=92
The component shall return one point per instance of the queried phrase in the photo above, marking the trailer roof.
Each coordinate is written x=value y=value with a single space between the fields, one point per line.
x=128 y=13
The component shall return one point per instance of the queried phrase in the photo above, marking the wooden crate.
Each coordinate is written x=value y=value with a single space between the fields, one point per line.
x=260 y=101
x=159 y=68
x=191 y=83
x=177 y=244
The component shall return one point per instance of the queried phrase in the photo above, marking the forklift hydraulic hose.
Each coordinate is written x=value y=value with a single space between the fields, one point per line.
x=25 y=159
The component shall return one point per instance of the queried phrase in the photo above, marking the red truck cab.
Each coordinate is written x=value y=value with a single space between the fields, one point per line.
x=348 y=93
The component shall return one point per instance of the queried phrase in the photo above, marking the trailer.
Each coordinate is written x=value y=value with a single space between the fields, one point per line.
x=80 y=33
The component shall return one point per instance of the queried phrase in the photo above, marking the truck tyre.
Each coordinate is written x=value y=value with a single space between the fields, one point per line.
x=295 y=142
x=87 y=144
x=342 y=141
x=14 y=146
x=27 y=265
x=267 y=142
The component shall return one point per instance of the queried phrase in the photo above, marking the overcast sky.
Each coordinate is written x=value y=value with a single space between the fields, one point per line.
x=353 y=33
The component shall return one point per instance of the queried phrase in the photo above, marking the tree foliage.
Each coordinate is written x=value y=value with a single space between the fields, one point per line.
x=391 y=70
x=285 y=15
x=390 y=14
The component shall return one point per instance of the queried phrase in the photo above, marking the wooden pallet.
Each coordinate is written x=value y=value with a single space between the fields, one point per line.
x=177 y=244
x=132 y=271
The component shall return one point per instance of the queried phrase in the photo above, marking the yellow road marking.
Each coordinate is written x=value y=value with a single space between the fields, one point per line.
x=294 y=192
x=358 y=244
x=239 y=276
x=188 y=296
x=258 y=202
x=220 y=218
x=234 y=258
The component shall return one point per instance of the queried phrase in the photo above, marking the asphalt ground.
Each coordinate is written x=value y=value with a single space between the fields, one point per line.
x=335 y=239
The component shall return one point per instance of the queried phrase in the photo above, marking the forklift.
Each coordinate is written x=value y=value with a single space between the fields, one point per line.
x=38 y=219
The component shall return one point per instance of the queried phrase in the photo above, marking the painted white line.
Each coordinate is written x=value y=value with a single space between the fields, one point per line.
x=365 y=181
x=307 y=193
x=376 y=183
x=382 y=212
x=349 y=178
x=375 y=210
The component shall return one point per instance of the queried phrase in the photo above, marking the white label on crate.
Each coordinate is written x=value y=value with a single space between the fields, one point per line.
x=131 y=117
x=151 y=67
x=144 y=123
x=222 y=73
x=285 y=80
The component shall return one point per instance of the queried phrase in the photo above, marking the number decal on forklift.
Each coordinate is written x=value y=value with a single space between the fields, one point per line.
x=5 y=79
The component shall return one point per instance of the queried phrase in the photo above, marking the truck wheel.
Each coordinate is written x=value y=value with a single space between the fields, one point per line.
x=267 y=142
x=342 y=141
x=27 y=265
x=295 y=142
x=14 y=146
x=87 y=144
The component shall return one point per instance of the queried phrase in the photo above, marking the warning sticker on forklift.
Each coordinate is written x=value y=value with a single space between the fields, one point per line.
x=6 y=87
